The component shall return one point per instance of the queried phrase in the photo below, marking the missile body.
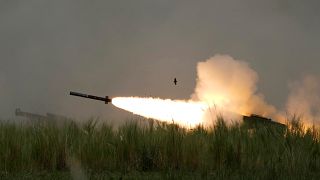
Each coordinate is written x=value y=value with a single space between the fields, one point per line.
x=106 y=99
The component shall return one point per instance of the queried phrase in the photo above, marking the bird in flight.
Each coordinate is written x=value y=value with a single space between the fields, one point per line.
x=175 y=81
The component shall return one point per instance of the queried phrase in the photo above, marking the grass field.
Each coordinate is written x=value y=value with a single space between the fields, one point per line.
x=45 y=150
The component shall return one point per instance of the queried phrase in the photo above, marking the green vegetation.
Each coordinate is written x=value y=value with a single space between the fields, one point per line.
x=157 y=151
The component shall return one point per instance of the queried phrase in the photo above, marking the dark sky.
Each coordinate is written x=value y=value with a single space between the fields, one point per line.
x=136 y=48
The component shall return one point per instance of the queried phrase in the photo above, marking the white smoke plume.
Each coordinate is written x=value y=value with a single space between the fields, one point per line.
x=304 y=100
x=229 y=85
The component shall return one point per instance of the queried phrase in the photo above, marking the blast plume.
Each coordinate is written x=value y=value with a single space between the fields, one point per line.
x=228 y=87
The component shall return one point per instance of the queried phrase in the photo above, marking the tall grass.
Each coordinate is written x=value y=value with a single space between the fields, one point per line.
x=222 y=151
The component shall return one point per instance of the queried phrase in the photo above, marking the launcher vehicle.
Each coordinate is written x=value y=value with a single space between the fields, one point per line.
x=29 y=115
x=34 y=116
x=257 y=121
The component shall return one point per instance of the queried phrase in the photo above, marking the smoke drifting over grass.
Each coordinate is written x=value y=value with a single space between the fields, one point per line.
x=304 y=100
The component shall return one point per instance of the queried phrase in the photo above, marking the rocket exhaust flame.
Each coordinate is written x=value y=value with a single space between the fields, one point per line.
x=184 y=113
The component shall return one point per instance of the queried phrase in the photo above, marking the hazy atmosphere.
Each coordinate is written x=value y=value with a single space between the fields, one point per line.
x=137 y=48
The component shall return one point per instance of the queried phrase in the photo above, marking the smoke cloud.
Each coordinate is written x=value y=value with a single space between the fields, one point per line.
x=304 y=100
x=228 y=84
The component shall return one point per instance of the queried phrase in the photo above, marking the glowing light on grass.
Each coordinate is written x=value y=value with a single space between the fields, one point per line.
x=185 y=113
